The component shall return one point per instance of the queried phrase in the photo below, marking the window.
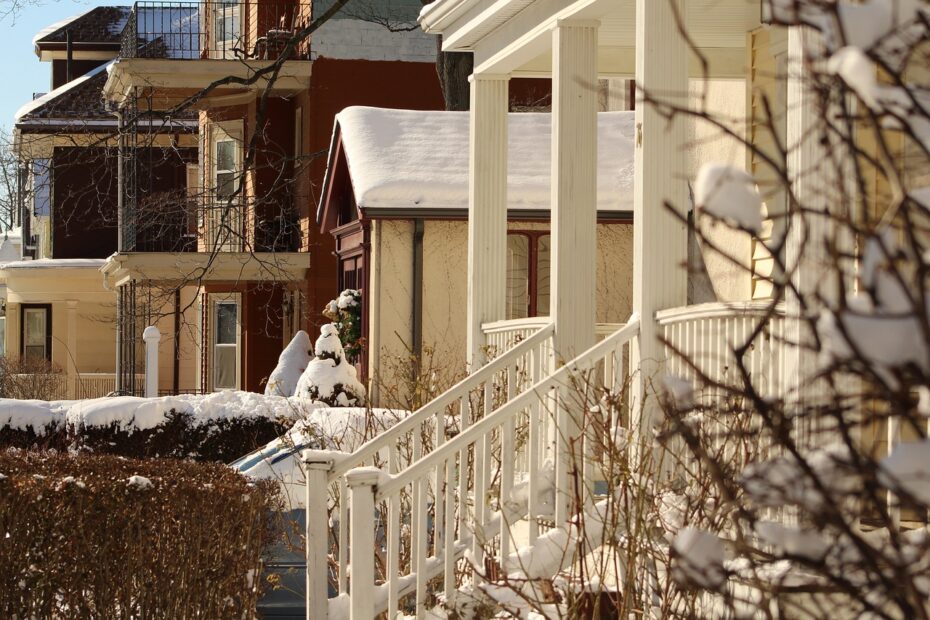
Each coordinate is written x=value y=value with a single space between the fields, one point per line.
x=352 y=273
x=226 y=168
x=36 y=332
x=226 y=344
x=227 y=28
x=224 y=228
x=528 y=257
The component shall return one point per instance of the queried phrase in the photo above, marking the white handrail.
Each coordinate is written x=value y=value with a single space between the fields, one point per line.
x=370 y=448
x=583 y=362
x=456 y=481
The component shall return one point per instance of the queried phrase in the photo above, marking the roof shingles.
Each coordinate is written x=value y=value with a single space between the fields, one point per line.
x=102 y=24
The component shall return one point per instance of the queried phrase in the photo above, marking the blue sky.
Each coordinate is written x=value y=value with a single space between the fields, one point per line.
x=21 y=70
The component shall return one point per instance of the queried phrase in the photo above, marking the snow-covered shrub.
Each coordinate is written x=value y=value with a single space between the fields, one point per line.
x=346 y=314
x=214 y=427
x=105 y=537
x=291 y=364
x=329 y=377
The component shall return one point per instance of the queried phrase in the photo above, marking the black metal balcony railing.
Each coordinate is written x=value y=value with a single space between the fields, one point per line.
x=174 y=222
x=252 y=29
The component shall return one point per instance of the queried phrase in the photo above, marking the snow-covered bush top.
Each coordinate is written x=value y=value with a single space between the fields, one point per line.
x=329 y=378
x=291 y=365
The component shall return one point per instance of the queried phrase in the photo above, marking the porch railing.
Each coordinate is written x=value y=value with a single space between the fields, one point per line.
x=701 y=341
x=465 y=495
x=502 y=336
x=423 y=432
x=58 y=386
x=249 y=30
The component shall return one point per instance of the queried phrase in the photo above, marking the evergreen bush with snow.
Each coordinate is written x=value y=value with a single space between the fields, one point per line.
x=329 y=378
x=346 y=314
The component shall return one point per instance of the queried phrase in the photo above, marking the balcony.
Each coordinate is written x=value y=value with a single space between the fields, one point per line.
x=248 y=30
x=174 y=221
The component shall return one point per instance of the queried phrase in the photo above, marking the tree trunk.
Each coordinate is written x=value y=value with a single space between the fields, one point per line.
x=453 y=69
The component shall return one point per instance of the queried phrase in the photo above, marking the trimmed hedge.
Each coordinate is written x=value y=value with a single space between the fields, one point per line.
x=82 y=537
x=223 y=440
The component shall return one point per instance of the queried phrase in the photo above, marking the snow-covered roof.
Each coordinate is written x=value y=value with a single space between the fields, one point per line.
x=56 y=263
x=404 y=159
x=53 y=28
x=61 y=91
x=11 y=245
x=98 y=25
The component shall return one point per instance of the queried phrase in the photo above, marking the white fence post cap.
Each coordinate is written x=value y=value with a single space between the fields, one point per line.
x=151 y=333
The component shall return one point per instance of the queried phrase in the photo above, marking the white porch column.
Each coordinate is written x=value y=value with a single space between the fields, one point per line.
x=573 y=292
x=72 y=349
x=574 y=186
x=823 y=182
x=487 y=209
x=660 y=242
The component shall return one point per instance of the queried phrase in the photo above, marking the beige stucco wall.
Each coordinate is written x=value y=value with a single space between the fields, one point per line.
x=445 y=270
x=188 y=340
x=391 y=285
x=725 y=99
x=91 y=344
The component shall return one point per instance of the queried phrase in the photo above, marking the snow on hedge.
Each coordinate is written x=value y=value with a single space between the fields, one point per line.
x=291 y=365
x=135 y=413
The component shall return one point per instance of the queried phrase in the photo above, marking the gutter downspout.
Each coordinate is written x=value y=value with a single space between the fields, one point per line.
x=374 y=313
x=417 y=329
x=69 y=56
x=176 y=376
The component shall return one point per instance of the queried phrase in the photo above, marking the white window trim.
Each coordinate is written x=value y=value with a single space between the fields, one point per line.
x=221 y=132
x=214 y=299
x=223 y=49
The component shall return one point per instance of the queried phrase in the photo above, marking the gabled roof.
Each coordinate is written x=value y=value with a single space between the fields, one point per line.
x=102 y=25
x=80 y=99
x=409 y=162
x=79 y=106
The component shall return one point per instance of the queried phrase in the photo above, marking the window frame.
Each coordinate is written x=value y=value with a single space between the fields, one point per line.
x=533 y=237
x=48 y=328
x=215 y=300
x=225 y=48
x=226 y=131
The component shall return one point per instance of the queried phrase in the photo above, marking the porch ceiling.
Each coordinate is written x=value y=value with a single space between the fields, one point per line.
x=171 y=81
x=200 y=267
x=513 y=36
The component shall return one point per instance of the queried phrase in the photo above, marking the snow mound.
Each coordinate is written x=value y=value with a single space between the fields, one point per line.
x=135 y=413
x=729 y=194
x=291 y=365
x=140 y=483
x=329 y=378
x=37 y=415
x=908 y=468
x=877 y=324
x=700 y=557
x=333 y=433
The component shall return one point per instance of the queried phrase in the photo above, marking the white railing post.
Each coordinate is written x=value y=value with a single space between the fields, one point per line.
x=151 y=336
x=316 y=472
x=362 y=483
